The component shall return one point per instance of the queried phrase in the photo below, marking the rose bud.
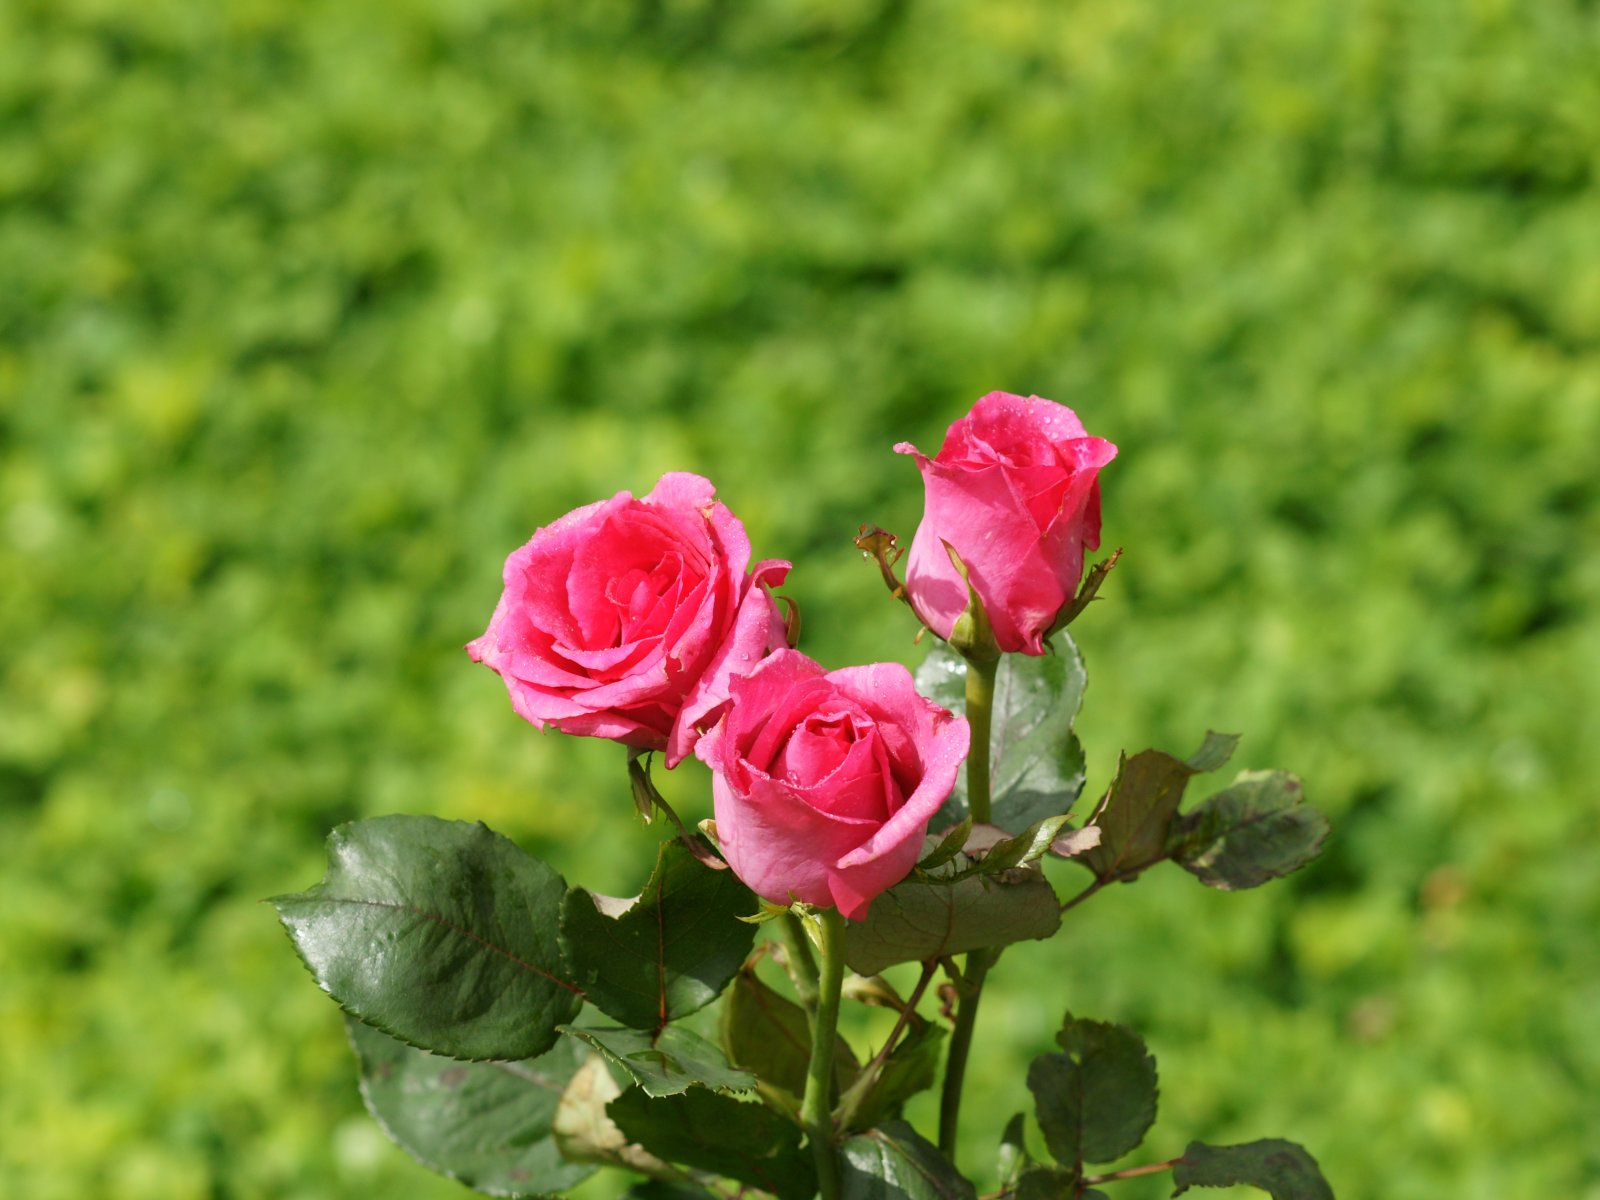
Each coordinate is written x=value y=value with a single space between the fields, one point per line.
x=824 y=781
x=626 y=618
x=1015 y=492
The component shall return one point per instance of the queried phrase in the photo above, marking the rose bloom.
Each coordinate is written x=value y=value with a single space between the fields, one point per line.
x=824 y=781
x=1015 y=490
x=626 y=618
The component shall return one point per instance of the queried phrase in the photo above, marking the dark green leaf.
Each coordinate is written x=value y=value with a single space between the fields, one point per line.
x=1214 y=752
x=1096 y=1101
x=988 y=850
x=441 y=933
x=1256 y=829
x=1025 y=848
x=487 y=1124
x=1047 y=1183
x=671 y=952
x=894 y=1162
x=1281 y=1169
x=915 y=921
x=911 y=1067
x=948 y=847
x=702 y=1129
x=1014 y=1158
x=769 y=1035
x=1036 y=763
x=667 y=1063
x=1135 y=814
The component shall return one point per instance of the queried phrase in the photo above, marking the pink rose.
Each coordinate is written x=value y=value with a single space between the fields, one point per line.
x=1015 y=491
x=626 y=618
x=824 y=782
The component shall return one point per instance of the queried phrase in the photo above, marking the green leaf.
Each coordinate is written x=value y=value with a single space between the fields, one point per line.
x=989 y=850
x=1134 y=816
x=1256 y=829
x=1214 y=752
x=893 y=1162
x=1028 y=846
x=768 y=1034
x=672 y=951
x=1014 y=1158
x=949 y=845
x=1281 y=1169
x=1096 y=1101
x=738 y=1140
x=916 y=921
x=1036 y=763
x=441 y=933
x=486 y=1124
x=1047 y=1183
x=911 y=1067
x=667 y=1063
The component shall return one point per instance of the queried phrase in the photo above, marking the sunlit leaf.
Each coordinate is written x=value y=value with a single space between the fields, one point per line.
x=916 y=921
x=1095 y=1101
x=442 y=933
x=1254 y=830
x=712 y=1132
x=668 y=953
x=665 y=1064
x=487 y=1124
x=894 y=1162
x=1036 y=765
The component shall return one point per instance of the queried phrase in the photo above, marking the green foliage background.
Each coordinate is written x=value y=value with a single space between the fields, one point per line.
x=311 y=313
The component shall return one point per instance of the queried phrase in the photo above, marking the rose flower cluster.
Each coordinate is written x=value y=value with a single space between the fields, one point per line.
x=645 y=622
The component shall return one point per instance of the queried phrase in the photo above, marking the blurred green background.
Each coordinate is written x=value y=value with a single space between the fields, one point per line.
x=310 y=313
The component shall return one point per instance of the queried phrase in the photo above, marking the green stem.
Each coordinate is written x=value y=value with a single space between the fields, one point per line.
x=980 y=705
x=955 y=1071
x=814 y=1110
x=802 y=967
x=851 y=1100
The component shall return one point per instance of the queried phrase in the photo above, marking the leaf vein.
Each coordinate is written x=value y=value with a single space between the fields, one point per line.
x=445 y=922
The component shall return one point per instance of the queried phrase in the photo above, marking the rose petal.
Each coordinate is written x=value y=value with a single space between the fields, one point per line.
x=808 y=802
x=758 y=632
x=853 y=787
x=981 y=516
x=779 y=845
x=943 y=740
x=1014 y=490
x=613 y=617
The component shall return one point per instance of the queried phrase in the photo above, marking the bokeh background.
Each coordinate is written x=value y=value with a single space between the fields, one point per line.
x=309 y=313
